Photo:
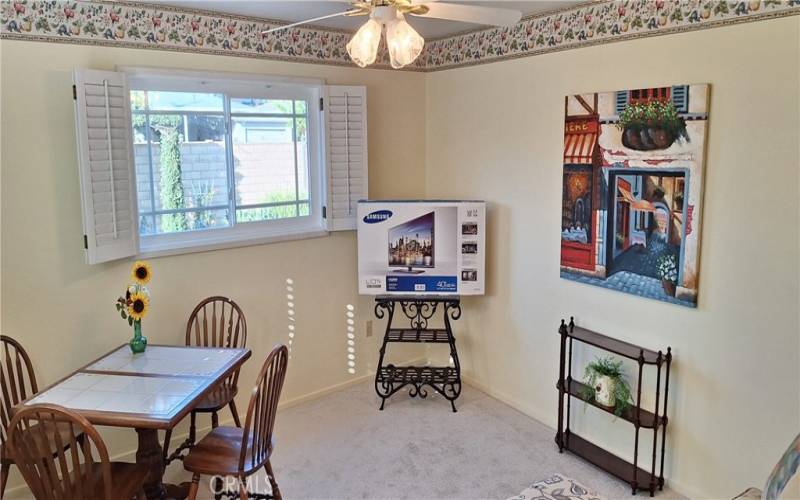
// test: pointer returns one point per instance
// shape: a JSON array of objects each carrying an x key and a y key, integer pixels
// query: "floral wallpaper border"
[
  {"x": 596, "y": 23},
  {"x": 142, "y": 25}
]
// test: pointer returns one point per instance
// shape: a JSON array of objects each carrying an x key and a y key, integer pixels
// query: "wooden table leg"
[{"x": 150, "y": 454}]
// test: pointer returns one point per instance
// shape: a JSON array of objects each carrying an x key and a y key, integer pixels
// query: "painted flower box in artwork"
[
  {"x": 647, "y": 139},
  {"x": 651, "y": 126}
]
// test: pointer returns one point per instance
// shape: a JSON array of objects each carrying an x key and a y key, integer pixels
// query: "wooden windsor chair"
[
  {"x": 18, "y": 382},
  {"x": 241, "y": 452},
  {"x": 215, "y": 322},
  {"x": 59, "y": 466}
]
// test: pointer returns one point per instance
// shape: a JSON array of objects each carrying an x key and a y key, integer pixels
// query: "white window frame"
[{"x": 252, "y": 86}]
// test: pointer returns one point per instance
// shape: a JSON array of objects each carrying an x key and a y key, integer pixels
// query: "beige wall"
[
  {"x": 495, "y": 132},
  {"x": 491, "y": 132},
  {"x": 62, "y": 309}
]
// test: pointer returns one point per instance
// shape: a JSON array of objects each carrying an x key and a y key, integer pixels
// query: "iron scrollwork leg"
[
  {"x": 446, "y": 380},
  {"x": 452, "y": 386},
  {"x": 383, "y": 376}
]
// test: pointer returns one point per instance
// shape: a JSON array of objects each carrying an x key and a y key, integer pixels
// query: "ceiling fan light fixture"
[
  {"x": 363, "y": 47},
  {"x": 404, "y": 43}
]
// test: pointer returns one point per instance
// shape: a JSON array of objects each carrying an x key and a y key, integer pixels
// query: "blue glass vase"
[{"x": 139, "y": 342}]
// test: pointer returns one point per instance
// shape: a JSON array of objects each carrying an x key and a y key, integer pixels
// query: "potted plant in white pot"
[{"x": 607, "y": 384}]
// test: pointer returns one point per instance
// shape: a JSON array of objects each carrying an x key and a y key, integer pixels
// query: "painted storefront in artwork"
[{"x": 632, "y": 190}]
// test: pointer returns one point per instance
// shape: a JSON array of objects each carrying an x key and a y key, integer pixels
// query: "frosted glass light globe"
[
  {"x": 405, "y": 44},
  {"x": 363, "y": 47}
]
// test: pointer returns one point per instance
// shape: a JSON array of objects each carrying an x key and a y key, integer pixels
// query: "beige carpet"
[{"x": 341, "y": 447}]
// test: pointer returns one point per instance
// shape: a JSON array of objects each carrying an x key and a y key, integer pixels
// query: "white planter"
[{"x": 604, "y": 391}]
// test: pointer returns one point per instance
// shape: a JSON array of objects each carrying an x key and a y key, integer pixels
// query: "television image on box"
[
  {"x": 424, "y": 240},
  {"x": 411, "y": 245}
]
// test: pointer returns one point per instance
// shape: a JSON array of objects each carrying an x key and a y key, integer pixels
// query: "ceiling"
[{"x": 299, "y": 10}]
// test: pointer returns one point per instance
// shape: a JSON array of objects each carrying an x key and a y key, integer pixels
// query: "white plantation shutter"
[
  {"x": 346, "y": 125},
  {"x": 105, "y": 163}
]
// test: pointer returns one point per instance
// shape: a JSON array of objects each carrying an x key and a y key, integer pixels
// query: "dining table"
[{"x": 148, "y": 392}]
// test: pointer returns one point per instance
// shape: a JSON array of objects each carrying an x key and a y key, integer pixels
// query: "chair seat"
[
  {"x": 218, "y": 453},
  {"x": 62, "y": 428},
  {"x": 216, "y": 399}
]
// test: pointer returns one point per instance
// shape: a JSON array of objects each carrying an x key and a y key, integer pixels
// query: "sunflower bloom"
[
  {"x": 141, "y": 272},
  {"x": 138, "y": 306}
]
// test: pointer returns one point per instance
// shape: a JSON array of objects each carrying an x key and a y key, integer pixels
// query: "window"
[
  {"x": 677, "y": 94},
  {"x": 231, "y": 157},
  {"x": 647, "y": 95},
  {"x": 219, "y": 160}
]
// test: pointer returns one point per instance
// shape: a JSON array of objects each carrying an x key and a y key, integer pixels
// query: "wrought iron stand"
[
  {"x": 636, "y": 414},
  {"x": 446, "y": 380}
]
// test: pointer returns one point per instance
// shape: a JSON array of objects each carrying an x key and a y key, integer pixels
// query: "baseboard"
[{"x": 13, "y": 492}]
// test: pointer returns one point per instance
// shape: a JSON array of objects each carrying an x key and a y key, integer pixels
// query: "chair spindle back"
[
  {"x": 17, "y": 379},
  {"x": 59, "y": 466},
  {"x": 217, "y": 322},
  {"x": 257, "y": 440}
]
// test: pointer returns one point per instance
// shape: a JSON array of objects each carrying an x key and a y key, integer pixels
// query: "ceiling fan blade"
[
  {"x": 471, "y": 14},
  {"x": 351, "y": 12}
]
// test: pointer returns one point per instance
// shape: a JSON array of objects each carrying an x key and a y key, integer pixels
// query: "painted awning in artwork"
[
  {"x": 578, "y": 148},
  {"x": 580, "y": 139},
  {"x": 636, "y": 204}
]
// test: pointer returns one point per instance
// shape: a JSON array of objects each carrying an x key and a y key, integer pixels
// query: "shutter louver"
[
  {"x": 105, "y": 164},
  {"x": 621, "y": 101},
  {"x": 346, "y": 124},
  {"x": 680, "y": 98}
]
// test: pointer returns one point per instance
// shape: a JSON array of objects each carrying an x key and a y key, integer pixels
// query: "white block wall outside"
[{"x": 259, "y": 169}]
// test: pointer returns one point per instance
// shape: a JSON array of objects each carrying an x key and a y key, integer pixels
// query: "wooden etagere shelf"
[{"x": 638, "y": 478}]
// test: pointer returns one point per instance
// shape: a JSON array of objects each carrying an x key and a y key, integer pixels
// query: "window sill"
[{"x": 157, "y": 249}]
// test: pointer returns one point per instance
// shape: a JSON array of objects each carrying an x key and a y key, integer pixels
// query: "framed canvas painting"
[{"x": 632, "y": 190}]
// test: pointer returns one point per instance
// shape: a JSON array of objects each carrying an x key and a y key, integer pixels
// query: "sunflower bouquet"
[{"x": 135, "y": 304}]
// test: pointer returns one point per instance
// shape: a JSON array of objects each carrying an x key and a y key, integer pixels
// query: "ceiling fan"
[{"x": 403, "y": 42}]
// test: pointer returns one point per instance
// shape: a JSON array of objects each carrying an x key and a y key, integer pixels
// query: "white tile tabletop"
[
  {"x": 120, "y": 393},
  {"x": 163, "y": 360},
  {"x": 151, "y": 390}
]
